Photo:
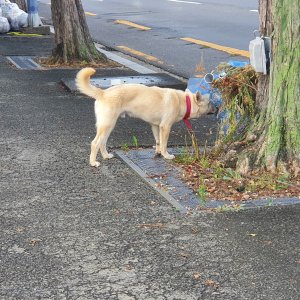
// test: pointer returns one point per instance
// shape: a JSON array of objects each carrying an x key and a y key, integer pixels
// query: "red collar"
[{"x": 188, "y": 113}]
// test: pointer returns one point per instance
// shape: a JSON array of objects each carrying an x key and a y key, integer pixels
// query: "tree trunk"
[
  {"x": 73, "y": 42},
  {"x": 266, "y": 29},
  {"x": 21, "y": 3},
  {"x": 278, "y": 125}
]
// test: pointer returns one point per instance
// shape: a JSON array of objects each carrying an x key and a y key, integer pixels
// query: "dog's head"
[{"x": 202, "y": 105}]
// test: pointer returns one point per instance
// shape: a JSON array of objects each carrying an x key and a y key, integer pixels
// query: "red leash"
[{"x": 188, "y": 113}]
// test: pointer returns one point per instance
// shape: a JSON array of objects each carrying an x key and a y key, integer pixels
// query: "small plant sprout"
[
  {"x": 125, "y": 147},
  {"x": 135, "y": 141},
  {"x": 233, "y": 174},
  {"x": 202, "y": 193},
  {"x": 185, "y": 157},
  {"x": 195, "y": 146},
  {"x": 204, "y": 161}
]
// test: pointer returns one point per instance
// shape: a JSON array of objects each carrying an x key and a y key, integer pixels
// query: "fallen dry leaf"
[
  {"x": 197, "y": 275},
  {"x": 117, "y": 212},
  {"x": 33, "y": 242},
  {"x": 252, "y": 234},
  {"x": 152, "y": 225},
  {"x": 195, "y": 230},
  {"x": 128, "y": 267},
  {"x": 222, "y": 183},
  {"x": 184, "y": 254},
  {"x": 267, "y": 242},
  {"x": 210, "y": 282}
]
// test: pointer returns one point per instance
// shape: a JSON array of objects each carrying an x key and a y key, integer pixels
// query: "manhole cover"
[
  {"x": 24, "y": 62},
  {"x": 165, "y": 178}
]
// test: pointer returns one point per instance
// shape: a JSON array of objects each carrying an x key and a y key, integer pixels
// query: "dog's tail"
[{"x": 84, "y": 85}]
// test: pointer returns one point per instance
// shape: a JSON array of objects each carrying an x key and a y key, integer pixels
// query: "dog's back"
[{"x": 125, "y": 94}]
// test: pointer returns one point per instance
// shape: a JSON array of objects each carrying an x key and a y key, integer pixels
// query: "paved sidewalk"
[{"x": 69, "y": 231}]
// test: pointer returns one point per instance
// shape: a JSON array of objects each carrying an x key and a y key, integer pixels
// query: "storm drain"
[
  {"x": 156, "y": 79},
  {"x": 165, "y": 178},
  {"x": 24, "y": 62},
  {"x": 139, "y": 79}
]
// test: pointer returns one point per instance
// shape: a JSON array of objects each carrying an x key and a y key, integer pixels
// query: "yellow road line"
[
  {"x": 140, "y": 54},
  {"x": 128, "y": 23},
  {"x": 218, "y": 47},
  {"x": 90, "y": 14}
]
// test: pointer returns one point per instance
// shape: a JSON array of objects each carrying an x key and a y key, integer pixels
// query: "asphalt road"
[
  {"x": 226, "y": 23},
  {"x": 69, "y": 231}
]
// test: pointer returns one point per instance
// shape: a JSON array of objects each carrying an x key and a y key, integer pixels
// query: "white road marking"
[
  {"x": 188, "y": 2},
  {"x": 254, "y": 10}
]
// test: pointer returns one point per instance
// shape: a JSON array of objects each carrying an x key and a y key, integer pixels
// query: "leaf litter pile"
[
  {"x": 47, "y": 63},
  {"x": 211, "y": 180}
]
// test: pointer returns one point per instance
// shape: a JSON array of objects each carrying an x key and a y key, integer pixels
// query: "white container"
[{"x": 257, "y": 55}]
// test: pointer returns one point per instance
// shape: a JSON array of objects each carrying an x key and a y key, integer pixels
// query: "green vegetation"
[{"x": 135, "y": 141}]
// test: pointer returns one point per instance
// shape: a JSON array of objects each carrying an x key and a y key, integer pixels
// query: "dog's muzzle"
[{"x": 213, "y": 109}]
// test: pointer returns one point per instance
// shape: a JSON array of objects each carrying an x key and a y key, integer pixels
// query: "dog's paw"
[
  {"x": 108, "y": 156},
  {"x": 169, "y": 156},
  {"x": 95, "y": 164}
]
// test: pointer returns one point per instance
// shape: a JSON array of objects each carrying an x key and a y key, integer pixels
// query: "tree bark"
[
  {"x": 283, "y": 113},
  {"x": 21, "y": 3},
  {"x": 266, "y": 29},
  {"x": 278, "y": 122},
  {"x": 73, "y": 42}
]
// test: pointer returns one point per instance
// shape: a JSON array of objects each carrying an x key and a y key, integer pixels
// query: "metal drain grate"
[
  {"x": 165, "y": 178},
  {"x": 149, "y": 80},
  {"x": 157, "y": 79},
  {"x": 24, "y": 62}
]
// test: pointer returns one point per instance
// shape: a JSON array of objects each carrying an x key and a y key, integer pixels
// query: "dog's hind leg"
[
  {"x": 99, "y": 142},
  {"x": 164, "y": 131},
  {"x": 155, "y": 130}
]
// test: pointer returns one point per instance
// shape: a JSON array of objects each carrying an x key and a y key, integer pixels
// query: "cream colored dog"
[{"x": 160, "y": 107}]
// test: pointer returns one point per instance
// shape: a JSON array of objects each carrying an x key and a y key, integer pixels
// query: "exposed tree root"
[{"x": 251, "y": 154}]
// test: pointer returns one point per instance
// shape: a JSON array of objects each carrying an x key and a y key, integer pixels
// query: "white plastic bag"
[
  {"x": 15, "y": 9},
  {"x": 4, "y": 1},
  {"x": 7, "y": 10},
  {"x": 258, "y": 55},
  {"x": 23, "y": 19},
  {"x": 16, "y": 17},
  {"x": 4, "y": 25}
]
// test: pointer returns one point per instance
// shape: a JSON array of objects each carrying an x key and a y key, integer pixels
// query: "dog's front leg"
[
  {"x": 164, "y": 131},
  {"x": 155, "y": 130}
]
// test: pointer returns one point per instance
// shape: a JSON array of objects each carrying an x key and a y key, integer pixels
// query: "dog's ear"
[{"x": 198, "y": 96}]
